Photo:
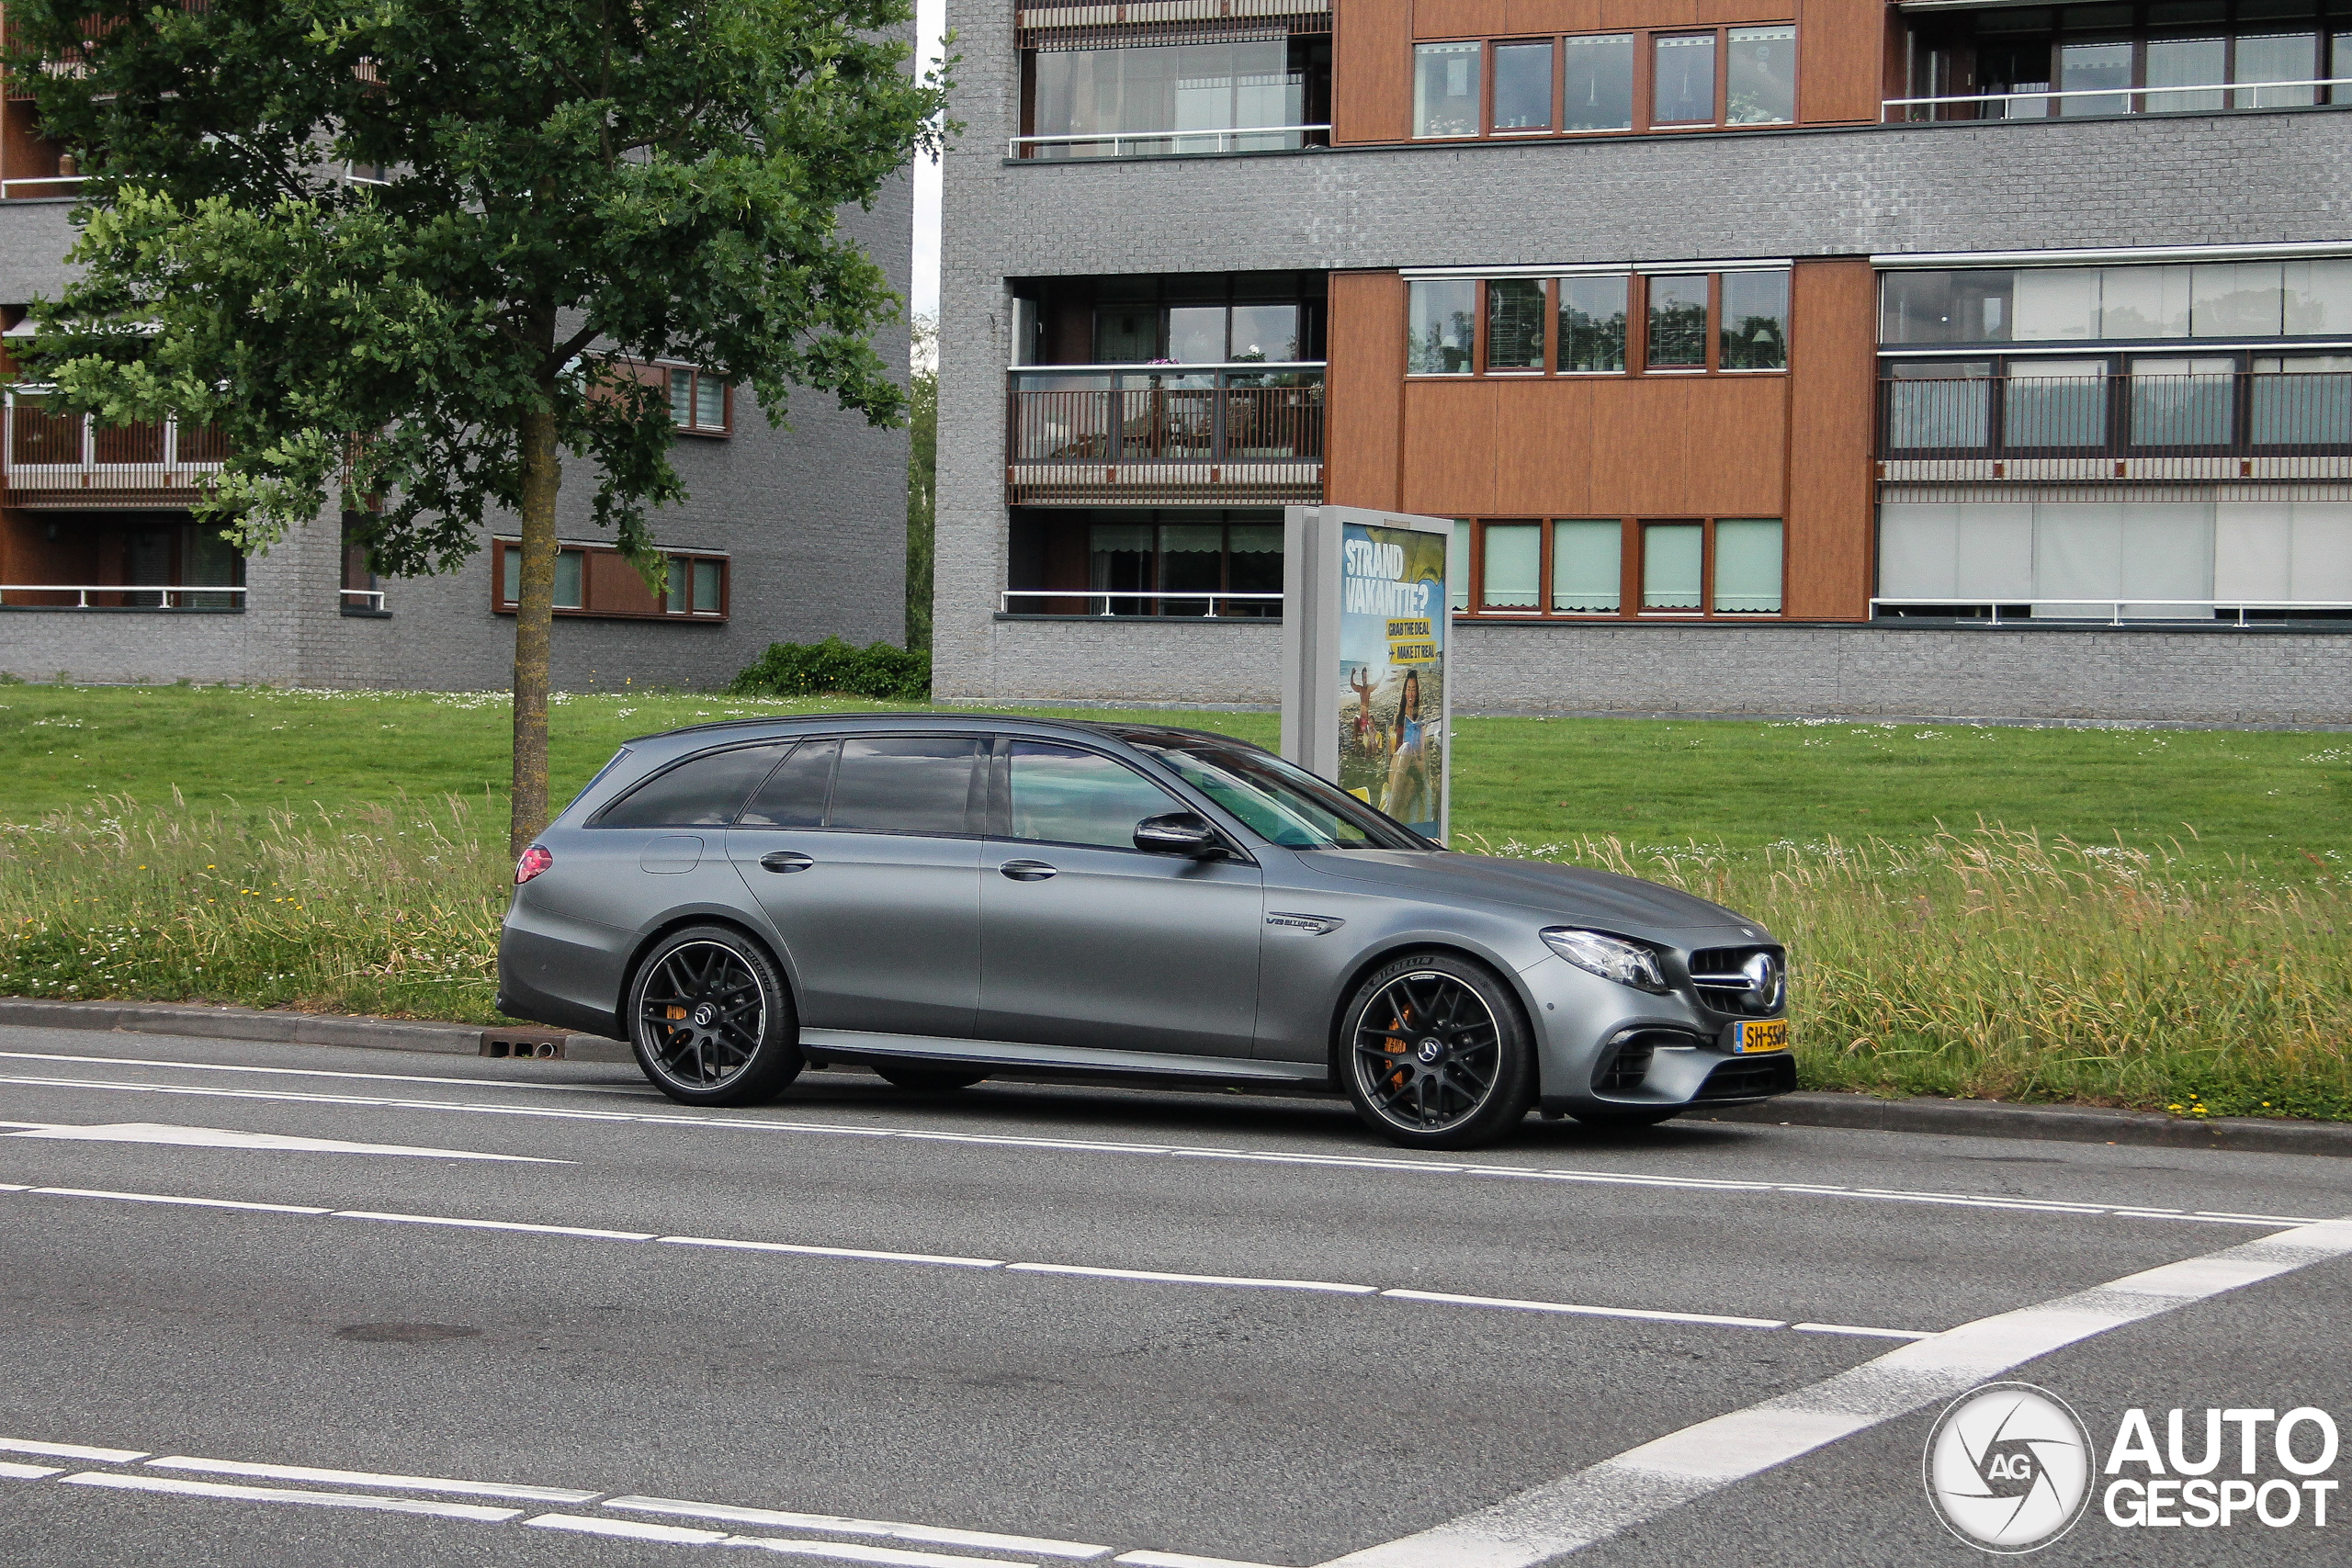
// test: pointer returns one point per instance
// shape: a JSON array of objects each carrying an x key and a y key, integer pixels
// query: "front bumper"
[{"x": 1606, "y": 1047}]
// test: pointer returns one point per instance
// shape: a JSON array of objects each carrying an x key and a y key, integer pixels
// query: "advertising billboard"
[{"x": 1365, "y": 697}]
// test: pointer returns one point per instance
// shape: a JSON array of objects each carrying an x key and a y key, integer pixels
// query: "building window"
[
  {"x": 2258, "y": 405},
  {"x": 700, "y": 401},
  {"x": 1189, "y": 565},
  {"x": 1576, "y": 568},
  {"x": 2310, "y": 297},
  {"x": 1692, "y": 322},
  {"x": 1582, "y": 83},
  {"x": 598, "y": 580},
  {"x": 1112, "y": 91},
  {"x": 1445, "y": 89}
]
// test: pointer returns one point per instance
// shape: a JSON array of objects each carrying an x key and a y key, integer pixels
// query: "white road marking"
[
  {"x": 627, "y": 1529},
  {"x": 1147, "y": 1276},
  {"x": 985, "y": 1540},
  {"x": 474, "y": 1511},
  {"x": 492, "y": 1225},
  {"x": 853, "y": 1552},
  {"x": 167, "y": 1197},
  {"x": 72, "y": 1450},
  {"x": 223, "y": 1138},
  {"x": 1852, "y": 1329},
  {"x": 1180, "y": 1560},
  {"x": 1585, "y": 1311},
  {"x": 1565, "y": 1515},
  {"x": 1326, "y": 1286},
  {"x": 949, "y": 1262},
  {"x": 1405, "y": 1166},
  {"x": 26, "y": 1471},
  {"x": 365, "y": 1478}
]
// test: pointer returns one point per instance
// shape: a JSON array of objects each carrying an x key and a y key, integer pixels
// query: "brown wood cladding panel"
[
  {"x": 1450, "y": 435},
  {"x": 1648, "y": 12},
  {"x": 1365, "y": 401},
  {"x": 1832, "y": 387},
  {"x": 1457, "y": 18},
  {"x": 1372, "y": 71},
  {"x": 1731, "y": 13},
  {"x": 1642, "y": 446},
  {"x": 1523, "y": 17},
  {"x": 1841, "y": 60}
]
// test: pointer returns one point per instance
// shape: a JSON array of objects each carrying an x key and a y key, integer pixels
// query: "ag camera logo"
[{"x": 2008, "y": 1468}]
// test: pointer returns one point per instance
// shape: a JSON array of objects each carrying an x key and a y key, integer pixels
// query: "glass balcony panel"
[
  {"x": 2055, "y": 403},
  {"x": 1940, "y": 408},
  {"x": 2237, "y": 299},
  {"x": 2143, "y": 302},
  {"x": 2303, "y": 399},
  {"x": 2187, "y": 62},
  {"x": 2277, "y": 57},
  {"x": 2085, "y": 66},
  {"x": 2183, "y": 403}
]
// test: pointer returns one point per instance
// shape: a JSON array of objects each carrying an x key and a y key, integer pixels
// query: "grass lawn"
[{"x": 2276, "y": 804}]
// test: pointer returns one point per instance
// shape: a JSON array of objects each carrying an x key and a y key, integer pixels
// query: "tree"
[
  {"x": 551, "y": 193},
  {"x": 922, "y": 477}
]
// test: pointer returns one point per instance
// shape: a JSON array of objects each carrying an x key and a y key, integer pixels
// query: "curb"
[
  {"x": 2053, "y": 1124},
  {"x": 1861, "y": 1112},
  {"x": 313, "y": 1029}
]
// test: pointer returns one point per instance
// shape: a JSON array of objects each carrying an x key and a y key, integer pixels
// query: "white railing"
[
  {"x": 2058, "y": 608},
  {"x": 161, "y": 594},
  {"x": 1013, "y": 147},
  {"x": 48, "y": 452},
  {"x": 48, "y": 185},
  {"x": 2042, "y": 99},
  {"x": 1005, "y": 600},
  {"x": 367, "y": 598}
]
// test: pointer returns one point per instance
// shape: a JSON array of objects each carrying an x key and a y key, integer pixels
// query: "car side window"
[
  {"x": 793, "y": 796},
  {"x": 1063, "y": 795},
  {"x": 905, "y": 785},
  {"x": 701, "y": 791}
]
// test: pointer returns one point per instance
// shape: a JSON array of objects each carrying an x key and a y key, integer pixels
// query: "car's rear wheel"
[
  {"x": 1436, "y": 1055},
  {"x": 905, "y": 1075},
  {"x": 712, "y": 1021},
  {"x": 1646, "y": 1116}
]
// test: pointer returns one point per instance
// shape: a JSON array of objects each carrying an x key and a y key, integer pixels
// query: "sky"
[{"x": 930, "y": 21}]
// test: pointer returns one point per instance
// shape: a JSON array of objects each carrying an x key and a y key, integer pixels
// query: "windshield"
[{"x": 1285, "y": 803}]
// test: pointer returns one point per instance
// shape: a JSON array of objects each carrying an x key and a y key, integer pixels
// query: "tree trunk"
[{"x": 534, "y": 622}]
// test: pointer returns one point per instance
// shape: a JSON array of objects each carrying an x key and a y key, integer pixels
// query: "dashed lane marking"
[
  {"x": 370, "y": 1478},
  {"x": 934, "y": 1535},
  {"x": 1171, "y": 1151},
  {"x": 1137, "y": 1275},
  {"x": 474, "y": 1511}
]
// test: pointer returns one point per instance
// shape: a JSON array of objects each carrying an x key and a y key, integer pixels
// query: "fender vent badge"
[{"x": 1321, "y": 925}]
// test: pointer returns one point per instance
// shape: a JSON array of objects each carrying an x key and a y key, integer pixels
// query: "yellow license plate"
[{"x": 1750, "y": 1036}]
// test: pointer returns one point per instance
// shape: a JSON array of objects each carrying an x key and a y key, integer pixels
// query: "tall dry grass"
[
  {"x": 1995, "y": 965},
  {"x": 391, "y": 909}
]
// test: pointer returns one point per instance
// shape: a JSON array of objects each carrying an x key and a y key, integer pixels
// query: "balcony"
[
  {"x": 2239, "y": 425},
  {"x": 70, "y": 462},
  {"x": 1206, "y": 435},
  {"x": 2036, "y": 101}
]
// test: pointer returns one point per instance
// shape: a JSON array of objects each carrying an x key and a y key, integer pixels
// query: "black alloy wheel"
[
  {"x": 712, "y": 1022},
  {"x": 905, "y": 1075},
  {"x": 1437, "y": 1055}
]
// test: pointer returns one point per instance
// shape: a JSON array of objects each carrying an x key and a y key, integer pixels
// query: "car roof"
[{"x": 787, "y": 723}]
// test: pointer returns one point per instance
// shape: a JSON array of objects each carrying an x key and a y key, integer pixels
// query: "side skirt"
[{"x": 860, "y": 1046}]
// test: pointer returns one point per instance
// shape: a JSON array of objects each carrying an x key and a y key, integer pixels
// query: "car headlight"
[{"x": 1612, "y": 958}]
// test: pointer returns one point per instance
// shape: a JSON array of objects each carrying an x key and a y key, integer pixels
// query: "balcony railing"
[
  {"x": 1176, "y": 433},
  {"x": 71, "y": 461},
  {"x": 2234, "y": 425},
  {"x": 2117, "y": 612},
  {"x": 2041, "y": 103},
  {"x": 1146, "y": 143},
  {"x": 1169, "y": 603},
  {"x": 120, "y": 596}
]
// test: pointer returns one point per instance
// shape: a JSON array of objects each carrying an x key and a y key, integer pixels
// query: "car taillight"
[{"x": 534, "y": 861}]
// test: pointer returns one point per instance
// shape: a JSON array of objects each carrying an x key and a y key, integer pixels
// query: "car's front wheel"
[
  {"x": 712, "y": 1021},
  {"x": 1436, "y": 1055}
]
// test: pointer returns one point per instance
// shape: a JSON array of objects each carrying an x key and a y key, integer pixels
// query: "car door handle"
[
  {"x": 1027, "y": 870},
  {"x": 785, "y": 860}
]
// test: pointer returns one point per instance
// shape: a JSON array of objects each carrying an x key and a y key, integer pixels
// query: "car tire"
[
  {"x": 905, "y": 1075},
  {"x": 712, "y": 1021},
  {"x": 1435, "y": 1053},
  {"x": 1629, "y": 1117}
]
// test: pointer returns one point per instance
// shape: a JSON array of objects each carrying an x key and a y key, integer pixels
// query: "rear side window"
[
  {"x": 701, "y": 791},
  {"x": 793, "y": 796},
  {"x": 904, "y": 785}
]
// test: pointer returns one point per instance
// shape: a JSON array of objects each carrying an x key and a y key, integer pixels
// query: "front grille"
[
  {"x": 1749, "y": 1080},
  {"x": 1737, "y": 973},
  {"x": 1624, "y": 1069}
]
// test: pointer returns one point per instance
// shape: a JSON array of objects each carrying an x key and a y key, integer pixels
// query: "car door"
[
  {"x": 1087, "y": 940},
  {"x": 864, "y": 853}
]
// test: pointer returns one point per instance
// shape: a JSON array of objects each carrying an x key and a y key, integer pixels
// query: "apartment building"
[
  {"x": 1861, "y": 356},
  {"x": 106, "y": 575}
]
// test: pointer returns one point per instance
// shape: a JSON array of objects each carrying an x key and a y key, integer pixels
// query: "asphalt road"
[{"x": 541, "y": 1315}]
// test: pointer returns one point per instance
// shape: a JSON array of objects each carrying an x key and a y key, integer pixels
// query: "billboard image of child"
[{"x": 1392, "y": 658}]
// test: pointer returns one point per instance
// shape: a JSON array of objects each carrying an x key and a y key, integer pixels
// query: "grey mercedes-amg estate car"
[{"x": 942, "y": 898}]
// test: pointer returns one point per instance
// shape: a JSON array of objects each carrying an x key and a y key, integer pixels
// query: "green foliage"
[
  {"x": 922, "y": 480},
  {"x": 567, "y": 189},
  {"x": 814, "y": 669}
]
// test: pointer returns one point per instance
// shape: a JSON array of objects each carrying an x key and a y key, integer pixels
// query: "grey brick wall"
[
  {"x": 2177, "y": 179},
  {"x": 813, "y": 516}
]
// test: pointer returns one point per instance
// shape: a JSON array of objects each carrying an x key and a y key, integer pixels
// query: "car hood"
[{"x": 1565, "y": 894}]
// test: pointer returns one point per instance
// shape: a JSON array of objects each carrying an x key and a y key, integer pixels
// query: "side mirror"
[{"x": 1179, "y": 833}]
